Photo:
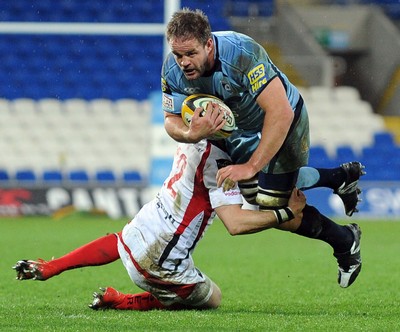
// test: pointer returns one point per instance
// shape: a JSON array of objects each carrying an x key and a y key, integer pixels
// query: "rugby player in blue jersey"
[{"x": 270, "y": 147}]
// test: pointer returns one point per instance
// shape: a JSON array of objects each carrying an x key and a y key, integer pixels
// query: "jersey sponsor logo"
[
  {"x": 164, "y": 86},
  {"x": 167, "y": 215},
  {"x": 257, "y": 77},
  {"x": 191, "y": 90},
  {"x": 232, "y": 193},
  {"x": 167, "y": 103}
]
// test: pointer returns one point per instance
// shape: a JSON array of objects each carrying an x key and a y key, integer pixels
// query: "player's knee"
[
  {"x": 274, "y": 189},
  {"x": 215, "y": 298},
  {"x": 269, "y": 200}
]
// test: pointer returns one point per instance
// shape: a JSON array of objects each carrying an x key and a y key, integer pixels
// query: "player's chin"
[{"x": 191, "y": 74}]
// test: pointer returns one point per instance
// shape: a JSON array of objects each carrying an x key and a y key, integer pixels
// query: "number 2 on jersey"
[{"x": 180, "y": 165}]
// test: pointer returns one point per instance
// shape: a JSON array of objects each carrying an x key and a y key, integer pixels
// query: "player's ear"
[{"x": 209, "y": 45}]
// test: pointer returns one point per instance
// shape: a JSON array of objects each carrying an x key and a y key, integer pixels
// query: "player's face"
[{"x": 192, "y": 57}]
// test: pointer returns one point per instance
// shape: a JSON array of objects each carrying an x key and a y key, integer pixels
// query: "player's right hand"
[
  {"x": 206, "y": 122},
  {"x": 297, "y": 201}
]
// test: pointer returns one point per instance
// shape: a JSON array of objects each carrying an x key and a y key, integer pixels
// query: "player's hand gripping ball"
[{"x": 201, "y": 100}]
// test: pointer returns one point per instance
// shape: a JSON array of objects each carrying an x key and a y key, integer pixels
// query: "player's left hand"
[{"x": 229, "y": 175}]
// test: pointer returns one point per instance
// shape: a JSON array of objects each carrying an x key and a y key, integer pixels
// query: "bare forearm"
[
  {"x": 177, "y": 129},
  {"x": 241, "y": 221}
]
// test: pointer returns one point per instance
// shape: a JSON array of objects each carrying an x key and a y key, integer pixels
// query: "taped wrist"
[{"x": 283, "y": 215}]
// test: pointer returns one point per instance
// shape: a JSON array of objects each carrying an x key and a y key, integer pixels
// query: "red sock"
[
  {"x": 142, "y": 301},
  {"x": 101, "y": 251}
]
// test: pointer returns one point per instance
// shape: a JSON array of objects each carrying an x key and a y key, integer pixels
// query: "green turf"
[{"x": 272, "y": 281}]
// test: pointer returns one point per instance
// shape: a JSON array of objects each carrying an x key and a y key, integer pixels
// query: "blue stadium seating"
[
  {"x": 25, "y": 176},
  {"x": 345, "y": 153},
  {"x": 105, "y": 177},
  {"x": 384, "y": 140},
  {"x": 132, "y": 177},
  {"x": 78, "y": 176},
  {"x": 78, "y": 66},
  {"x": 319, "y": 158},
  {"x": 52, "y": 177},
  {"x": 4, "y": 176}
]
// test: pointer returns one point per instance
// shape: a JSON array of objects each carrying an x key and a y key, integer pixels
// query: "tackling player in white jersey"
[{"x": 156, "y": 245}]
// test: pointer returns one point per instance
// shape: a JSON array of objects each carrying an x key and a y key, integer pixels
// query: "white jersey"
[{"x": 159, "y": 241}]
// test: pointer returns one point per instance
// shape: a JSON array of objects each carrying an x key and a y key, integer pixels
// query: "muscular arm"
[
  {"x": 278, "y": 119},
  {"x": 240, "y": 221},
  {"x": 176, "y": 128}
]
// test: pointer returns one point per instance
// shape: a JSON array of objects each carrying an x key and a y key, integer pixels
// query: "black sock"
[
  {"x": 330, "y": 177},
  {"x": 339, "y": 237},
  {"x": 317, "y": 226}
]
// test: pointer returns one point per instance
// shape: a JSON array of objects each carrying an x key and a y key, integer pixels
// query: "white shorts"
[{"x": 188, "y": 286}]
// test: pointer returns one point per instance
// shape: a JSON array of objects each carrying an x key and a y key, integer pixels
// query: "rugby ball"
[{"x": 201, "y": 100}]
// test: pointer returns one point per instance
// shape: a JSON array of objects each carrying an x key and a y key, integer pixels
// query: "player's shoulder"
[
  {"x": 237, "y": 40},
  {"x": 236, "y": 51},
  {"x": 169, "y": 66}
]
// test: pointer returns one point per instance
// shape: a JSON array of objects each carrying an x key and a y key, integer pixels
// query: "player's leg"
[
  {"x": 345, "y": 241},
  {"x": 293, "y": 155},
  {"x": 343, "y": 180},
  {"x": 110, "y": 298},
  {"x": 274, "y": 192},
  {"x": 160, "y": 294},
  {"x": 183, "y": 289},
  {"x": 98, "y": 252}
]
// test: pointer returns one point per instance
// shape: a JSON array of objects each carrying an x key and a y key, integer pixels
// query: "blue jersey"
[{"x": 242, "y": 70}]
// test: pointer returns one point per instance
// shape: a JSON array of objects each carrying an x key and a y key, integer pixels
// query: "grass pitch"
[{"x": 271, "y": 281}]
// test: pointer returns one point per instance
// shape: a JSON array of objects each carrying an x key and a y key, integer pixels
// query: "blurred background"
[{"x": 81, "y": 124}]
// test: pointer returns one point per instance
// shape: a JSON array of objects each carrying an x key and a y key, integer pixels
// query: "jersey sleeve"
[
  {"x": 171, "y": 100},
  {"x": 217, "y": 196},
  {"x": 220, "y": 198},
  {"x": 259, "y": 71}
]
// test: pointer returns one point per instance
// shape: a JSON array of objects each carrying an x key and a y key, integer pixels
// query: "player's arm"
[
  {"x": 241, "y": 221},
  {"x": 201, "y": 126},
  {"x": 277, "y": 121}
]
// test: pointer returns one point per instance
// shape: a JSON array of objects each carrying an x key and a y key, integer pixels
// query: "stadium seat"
[
  {"x": 4, "y": 105},
  {"x": 78, "y": 176},
  {"x": 25, "y": 176},
  {"x": 133, "y": 177},
  {"x": 319, "y": 157},
  {"x": 384, "y": 140},
  {"x": 4, "y": 176},
  {"x": 346, "y": 93},
  {"x": 345, "y": 153},
  {"x": 52, "y": 177},
  {"x": 105, "y": 177}
]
